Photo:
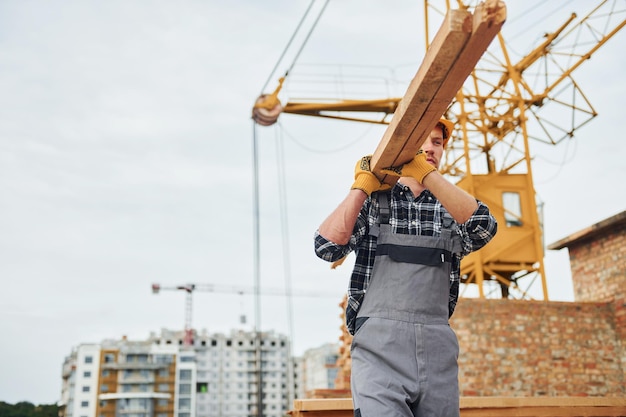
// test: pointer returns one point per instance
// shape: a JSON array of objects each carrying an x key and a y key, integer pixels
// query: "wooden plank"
[
  {"x": 323, "y": 404},
  {"x": 488, "y": 407},
  {"x": 322, "y": 413},
  {"x": 453, "y": 55},
  {"x": 503, "y": 402},
  {"x": 542, "y": 406},
  {"x": 487, "y": 21},
  {"x": 545, "y": 412},
  {"x": 448, "y": 43}
]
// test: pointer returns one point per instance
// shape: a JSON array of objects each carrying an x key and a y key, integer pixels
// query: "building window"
[
  {"x": 163, "y": 359},
  {"x": 86, "y": 388},
  {"x": 104, "y": 388},
  {"x": 84, "y": 403},
  {"x": 87, "y": 374},
  {"x": 88, "y": 359},
  {"x": 164, "y": 372},
  {"x": 184, "y": 404},
  {"x": 164, "y": 387},
  {"x": 184, "y": 389},
  {"x": 109, "y": 358},
  {"x": 185, "y": 374},
  {"x": 512, "y": 204}
]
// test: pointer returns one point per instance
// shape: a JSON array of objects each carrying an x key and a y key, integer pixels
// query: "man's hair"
[{"x": 446, "y": 127}]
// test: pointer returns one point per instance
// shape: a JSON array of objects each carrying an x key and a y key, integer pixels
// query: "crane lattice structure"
[{"x": 502, "y": 107}]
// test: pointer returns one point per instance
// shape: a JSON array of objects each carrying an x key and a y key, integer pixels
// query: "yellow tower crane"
[{"x": 501, "y": 108}]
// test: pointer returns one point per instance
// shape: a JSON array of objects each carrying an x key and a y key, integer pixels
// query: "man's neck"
[{"x": 413, "y": 184}]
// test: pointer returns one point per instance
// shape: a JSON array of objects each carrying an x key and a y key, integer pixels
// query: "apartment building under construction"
[{"x": 163, "y": 377}]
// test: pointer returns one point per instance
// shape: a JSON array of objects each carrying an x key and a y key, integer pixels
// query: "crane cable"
[
  {"x": 282, "y": 198},
  {"x": 257, "y": 274},
  {"x": 281, "y": 183},
  {"x": 267, "y": 107},
  {"x": 293, "y": 36}
]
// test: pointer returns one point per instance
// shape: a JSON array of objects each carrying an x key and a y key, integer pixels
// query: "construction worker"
[{"x": 409, "y": 239}]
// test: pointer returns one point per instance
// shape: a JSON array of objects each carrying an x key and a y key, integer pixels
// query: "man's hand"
[
  {"x": 364, "y": 179},
  {"x": 418, "y": 168}
]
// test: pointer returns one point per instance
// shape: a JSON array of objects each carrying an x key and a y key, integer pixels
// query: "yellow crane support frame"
[{"x": 493, "y": 115}]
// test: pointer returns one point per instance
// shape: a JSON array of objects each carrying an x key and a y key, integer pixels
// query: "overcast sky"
[{"x": 126, "y": 160}]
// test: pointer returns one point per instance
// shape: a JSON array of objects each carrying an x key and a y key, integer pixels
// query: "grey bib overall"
[{"x": 404, "y": 353}]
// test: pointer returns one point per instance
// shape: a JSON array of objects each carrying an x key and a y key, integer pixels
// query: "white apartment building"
[
  {"x": 217, "y": 376},
  {"x": 319, "y": 367}
]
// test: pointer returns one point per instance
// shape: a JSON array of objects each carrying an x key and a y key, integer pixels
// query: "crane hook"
[{"x": 267, "y": 107}]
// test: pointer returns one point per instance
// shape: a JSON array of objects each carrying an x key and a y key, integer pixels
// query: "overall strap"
[
  {"x": 448, "y": 231},
  {"x": 383, "y": 206},
  {"x": 383, "y": 212},
  {"x": 447, "y": 225}
]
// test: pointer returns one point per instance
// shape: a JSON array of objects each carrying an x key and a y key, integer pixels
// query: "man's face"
[{"x": 433, "y": 147}]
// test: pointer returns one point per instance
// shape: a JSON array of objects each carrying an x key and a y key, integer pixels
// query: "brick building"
[{"x": 598, "y": 263}]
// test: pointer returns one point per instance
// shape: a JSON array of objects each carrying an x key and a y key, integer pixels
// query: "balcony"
[
  {"x": 132, "y": 395},
  {"x": 134, "y": 365}
]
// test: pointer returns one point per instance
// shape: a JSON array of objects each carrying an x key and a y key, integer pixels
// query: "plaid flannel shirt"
[{"x": 421, "y": 215}]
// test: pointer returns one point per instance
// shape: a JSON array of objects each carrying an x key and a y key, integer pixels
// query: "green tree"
[{"x": 26, "y": 409}]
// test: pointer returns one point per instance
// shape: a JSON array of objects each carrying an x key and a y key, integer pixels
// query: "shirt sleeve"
[{"x": 479, "y": 229}]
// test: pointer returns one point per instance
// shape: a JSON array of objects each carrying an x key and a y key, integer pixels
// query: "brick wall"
[
  {"x": 527, "y": 348},
  {"x": 537, "y": 348},
  {"x": 599, "y": 265}
]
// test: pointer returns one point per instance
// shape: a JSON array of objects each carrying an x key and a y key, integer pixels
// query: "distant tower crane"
[
  {"x": 188, "y": 288},
  {"x": 233, "y": 289},
  {"x": 497, "y": 112}
]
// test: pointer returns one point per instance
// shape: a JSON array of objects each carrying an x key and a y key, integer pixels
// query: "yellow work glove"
[
  {"x": 364, "y": 180},
  {"x": 418, "y": 168}
]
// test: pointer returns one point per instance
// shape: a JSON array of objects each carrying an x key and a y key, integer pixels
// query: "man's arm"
[
  {"x": 338, "y": 227},
  {"x": 459, "y": 203},
  {"x": 339, "y": 224}
]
